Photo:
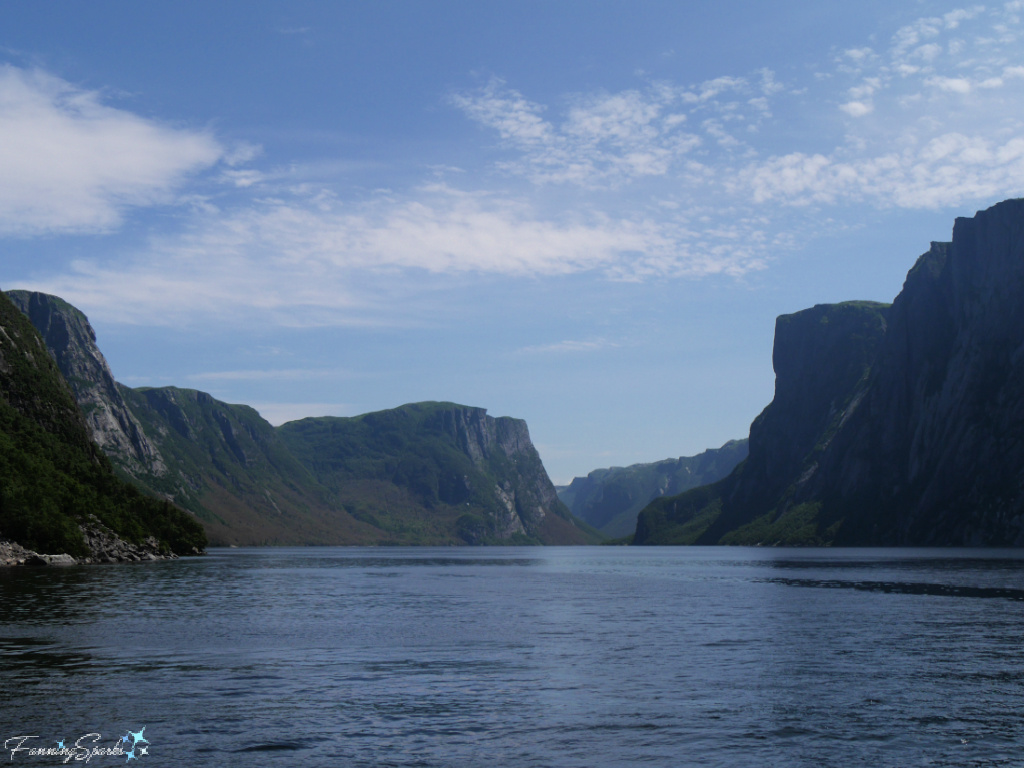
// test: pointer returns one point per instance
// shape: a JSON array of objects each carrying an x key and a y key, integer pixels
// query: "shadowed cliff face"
[
  {"x": 610, "y": 499},
  {"x": 822, "y": 357},
  {"x": 904, "y": 427},
  {"x": 938, "y": 450}
]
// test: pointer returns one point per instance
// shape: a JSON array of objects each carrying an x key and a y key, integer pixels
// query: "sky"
[{"x": 583, "y": 214}]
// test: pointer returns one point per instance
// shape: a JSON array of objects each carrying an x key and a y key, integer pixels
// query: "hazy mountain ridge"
[
  {"x": 610, "y": 499},
  {"x": 58, "y": 492},
  {"x": 467, "y": 477},
  {"x": 894, "y": 426}
]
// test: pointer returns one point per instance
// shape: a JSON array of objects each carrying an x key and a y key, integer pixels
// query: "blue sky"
[{"x": 583, "y": 214}]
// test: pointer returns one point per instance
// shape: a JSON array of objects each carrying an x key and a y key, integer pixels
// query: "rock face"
[
  {"x": 56, "y": 487},
  {"x": 905, "y": 427},
  {"x": 436, "y": 473},
  {"x": 72, "y": 342},
  {"x": 421, "y": 474},
  {"x": 610, "y": 499}
]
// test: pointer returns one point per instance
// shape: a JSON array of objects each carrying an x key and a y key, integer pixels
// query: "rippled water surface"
[{"x": 524, "y": 657}]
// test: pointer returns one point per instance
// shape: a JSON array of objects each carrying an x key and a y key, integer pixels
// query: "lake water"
[{"x": 599, "y": 656}]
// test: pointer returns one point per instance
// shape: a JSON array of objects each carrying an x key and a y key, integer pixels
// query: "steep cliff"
[
  {"x": 906, "y": 427},
  {"x": 936, "y": 453},
  {"x": 58, "y": 493},
  {"x": 72, "y": 342},
  {"x": 221, "y": 462},
  {"x": 436, "y": 473},
  {"x": 418, "y": 474},
  {"x": 610, "y": 499}
]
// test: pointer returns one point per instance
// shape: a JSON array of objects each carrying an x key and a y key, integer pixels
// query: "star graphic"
[
  {"x": 125, "y": 739},
  {"x": 137, "y": 736},
  {"x": 143, "y": 751},
  {"x": 60, "y": 744},
  {"x": 131, "y": 756}
]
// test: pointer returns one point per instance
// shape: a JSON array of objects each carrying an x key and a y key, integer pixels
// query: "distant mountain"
[
  {"x": 58, "y": 492},
  {"x": 899, "y": 425},
  {"x": 610, "y": 499},
  {"x": 429, "y": 473},
  {"x": 436, "y": 473}
]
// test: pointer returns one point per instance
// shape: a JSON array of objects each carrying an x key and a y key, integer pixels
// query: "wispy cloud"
[
  {"x": 944, "y": 129},
  {"x": 932, "y": 120},
  {"x": 568, "y": 346},
  {"x": 69, "y": 163},
  {"x": 310, "y": 259},
  {"x": 270, "y": 374},
  {"x": 605, "y": 139},
  {"x": 667, "y": 180}
]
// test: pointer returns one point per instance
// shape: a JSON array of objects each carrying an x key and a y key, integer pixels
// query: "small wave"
[
  {"x": 274, "y": 746},
  {"x": 907, "y": 588}
]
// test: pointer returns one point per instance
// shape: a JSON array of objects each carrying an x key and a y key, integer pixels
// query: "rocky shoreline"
[{"x": 104, "y": 547}]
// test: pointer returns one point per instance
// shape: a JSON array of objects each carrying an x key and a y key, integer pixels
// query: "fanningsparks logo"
[{"x": 132, "y": 746}]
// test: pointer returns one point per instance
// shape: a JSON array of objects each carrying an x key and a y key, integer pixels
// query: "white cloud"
[
  {"x": 950, "y": 84},
  {"x": 569, "y": 346},
  {"x": 857, "y": 108},
  {"x": 954, "y": 18},
  {"x": 242, "y": 178},
  {"x": 668, "y": 181},
  {"x": 70, "y": 163},
  {"x": 310, "y": 259},
  {"x": 267, "y": 374},
  {"x": 243, "y": 152},
  {"x": 859, "y": 54},
  {"x": 609, "y": 139},
  {"x": 928, "y": 52},
  {"x": 944, "y": 171}
]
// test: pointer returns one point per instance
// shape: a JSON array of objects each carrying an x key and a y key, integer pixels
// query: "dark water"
[{"x": 524, "y": 657}]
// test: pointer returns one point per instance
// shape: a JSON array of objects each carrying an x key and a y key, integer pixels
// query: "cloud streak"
[
  {"x": 69, "y": 163},
  {"x": 311, "y": 259}
]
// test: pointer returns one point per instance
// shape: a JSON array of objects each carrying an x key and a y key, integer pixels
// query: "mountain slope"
[
  {"x": 904, "y": 428},
  {"x": 252, "y": 484},
  {"x": 437, "y": 473},
  {"x": 58, "y": 493},
  {"x": 610, "y": 499},
  {"x": 228, "y": 465}
]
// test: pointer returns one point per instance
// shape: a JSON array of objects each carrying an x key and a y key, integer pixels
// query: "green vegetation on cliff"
[
  {"x": 428, "y": 473},
  {"x": 436, "y": 473},
  {"x": 227, "y": 465},
  {"x": 52, "y": 477}
]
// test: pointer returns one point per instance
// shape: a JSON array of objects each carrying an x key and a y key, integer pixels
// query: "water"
[{"x": 524, "y": 657}]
